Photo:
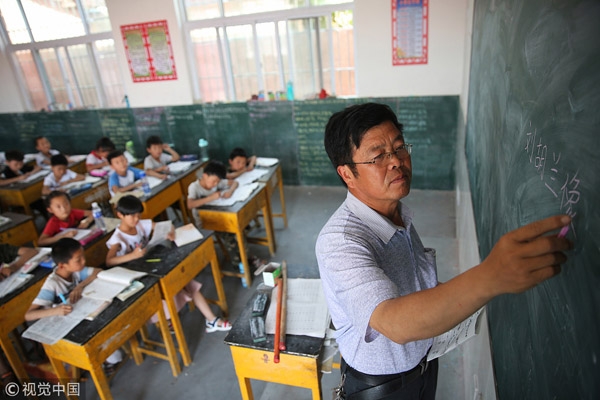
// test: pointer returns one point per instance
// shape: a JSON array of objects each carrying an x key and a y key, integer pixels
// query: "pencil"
[
  {"x": 283, "y": 306},
  {"x": 278, "y": 321}
]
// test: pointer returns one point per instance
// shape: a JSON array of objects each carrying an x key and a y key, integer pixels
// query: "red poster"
[
  {"x": 149, "y": 51},
  {"x": 410, "y": 31}
]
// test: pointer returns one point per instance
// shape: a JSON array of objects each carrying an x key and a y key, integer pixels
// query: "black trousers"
[{"x": 422, "y": 388}]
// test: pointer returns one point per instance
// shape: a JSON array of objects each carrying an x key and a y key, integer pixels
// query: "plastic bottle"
[
  {"x": 241, "y": 267},
  {"x": 129, "y": 148},
  {"x": 203, "y": 146},
  {"x": 290, "y": 90},
  {"x": 145, "y": 184},
  {"x": 98, "y": 218}
]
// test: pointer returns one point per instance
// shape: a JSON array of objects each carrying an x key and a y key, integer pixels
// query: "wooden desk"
[
  {"x": 97, "y": 193},
  {"x": 19, "y": 231},
  {"x": 78, "y": 166},
  {"x": 91, "y": 342},
  {"x": 298, "y": 365},
  {"x": 235, "y": 218},
  {"x": 12, "y": 314},
  {"x": 178, "y": 266},
  {"x": 21, "y": 194},
  {"x": 274, "y": 179},
  {"x": 187, "y": 177},
  {"x": 163, "y": 196}
]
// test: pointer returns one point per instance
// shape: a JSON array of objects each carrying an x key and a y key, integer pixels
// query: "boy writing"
[
  {"x": 16, "y": 170},
  {"x": 127, "y": 243},
  {"x": 157, "y": 160},
  {"x": 69, "y": 278},
  {"x": 239, "y": 162},
  {"x": 97, "y": 158},
  {"x": 60, "y": 175},
  {"x": 45, "y": 152},
  {"x": 125, "y": 177},
  {"x": 63, "y": 217}
]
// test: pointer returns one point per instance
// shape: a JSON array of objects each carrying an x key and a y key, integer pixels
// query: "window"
[
  {"x": 242, "y": 48},
  {"x": 64, "y": 52}
]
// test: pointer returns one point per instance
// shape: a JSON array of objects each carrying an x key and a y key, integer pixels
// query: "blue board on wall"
[{"x": 532, "y": 143}]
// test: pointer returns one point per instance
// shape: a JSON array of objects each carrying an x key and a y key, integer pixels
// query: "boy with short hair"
[
  {"x": 157, "y": 160},
  {"x": 70, "y": 277},
  {"x": 125, "y": 177},
  {"x": 239, "y": 162},
  {"x": 128, "y": 243},
  {"x": 97, "y": 158},
  {"x": 211, "y": 185},
  {"x": 16, "y": 170},
  {"x": 60, "y": 175},
  {"x": 63, "y": 217},
  {"x": 45, "y": 152}
]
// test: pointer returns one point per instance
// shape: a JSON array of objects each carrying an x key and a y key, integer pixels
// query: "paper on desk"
[
  {"x": 77, "y": 158},
  {"x": 250, "y": 176},
  {"x": 33, "y": 262},
  {"x": 307, "y": 312},
  {"x": 179, "y": 166},
  {"x": 87, "y": 179},
  {"x": 37, "y": 175},
  {"x": 160, "y": 233},
  {"x": 13, "y": 282},
  {"x": 187, "y": 234},
  {"x": 240, "y": 194},
  {"x": 81, "y": 233},
  {"x": 154, "y": 181},
  {"x": 455, "y": 336},
  {"x": 4, "y": 220},
  {"x": 266, "y": 162}
]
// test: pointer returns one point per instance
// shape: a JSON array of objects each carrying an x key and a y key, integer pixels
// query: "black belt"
[{"x": 383, "y": 385}]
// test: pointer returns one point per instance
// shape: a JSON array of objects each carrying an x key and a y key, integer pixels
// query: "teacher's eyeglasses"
[{"x": 401, "y": 153}]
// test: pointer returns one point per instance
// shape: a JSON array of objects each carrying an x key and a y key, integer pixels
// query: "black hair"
[
  {"x": 54, "y": 194},
  {"x": 237, "y": 152},
  {"x": 14, "y": 155},
  {"x": 153, "y": 140},
  {"x": 346, "y": 129},
  {"x": 113, "y": 154},
  {"x": 215, "y": 168},
  {"x": 128, "y": 205},
  {"x": 63, "y": 250},
  {"x": 105, "y": 144},
  {"x": 58, "y": 159}
]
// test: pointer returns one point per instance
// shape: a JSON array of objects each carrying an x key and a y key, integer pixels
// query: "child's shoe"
[{"x": 215, "y": 326}]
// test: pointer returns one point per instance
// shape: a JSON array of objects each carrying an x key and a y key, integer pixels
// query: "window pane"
[
  {"x": 57, "y": 83},
  {"x": 32, "y": 79},
  {"x": 53, "y": 20},
  {"x": 208, "y": 62},
  {"x": 245, "y": 7},
  {"x": 343, "y": 53},
  {"x": 13, "y": 20},
  {"x": 109, "y": 73},
  {"x": 269, "y": 57},
  {"x": 201, "y": 9},
  {"x": 82, "y": 65},
  {"x": 96, "y": 15},
  {"x": 303, "y": 44},
  {"x": 241, "y": 47},
  {"x": 327, "y": 2}
]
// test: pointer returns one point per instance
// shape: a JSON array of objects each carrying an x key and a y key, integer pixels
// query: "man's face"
[
  {"x": 379, "y": 185},
  {"x": 119, "y": 164}
]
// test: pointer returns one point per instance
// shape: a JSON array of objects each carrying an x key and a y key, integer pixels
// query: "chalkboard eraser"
[{"x": 257, "y": 329}]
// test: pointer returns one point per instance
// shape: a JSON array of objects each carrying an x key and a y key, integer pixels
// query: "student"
[
  {"x": 45, "y": 152},
  {"x": 16, "y": 170},
  {"x": 60, "y": 175},
  {"x": 63, "y": 216},
  {"x": 128, "y": 243},
  {"x": 239, "y": 162},
  {"x": 69, "y": 278},
  {"x": 13, "y": 257},
  {"x": 209, "y": 187},
  {"x": 125, "y": 177},
  {"x": 156, "y": 162},
  {"x": 97, "y": 158}
]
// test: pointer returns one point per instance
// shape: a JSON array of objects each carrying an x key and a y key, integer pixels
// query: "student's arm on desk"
[
  {"x": 87, "y": 221},
  {"x": 229, "y": 191},
  {"x": 25, "y": 253},
  {"x": 78, "y": 177},
  {"x": 75, "y": 294},
  {"x": 134, "y": 185},
  {"x": 91, "y": 167},
  {"x": 8, "y": 181},
  {"x": 520, "y": 260},
  {"x": 156, "y": 172},
  {"x": 173, "y": 153},
  {"x": 251, "y": 163},
  {"x": 36, "y": 311},
  {"x": 195, "y": 203},
  {"x": 45, "y": 239},
  {"x": 113, "y": 259}
]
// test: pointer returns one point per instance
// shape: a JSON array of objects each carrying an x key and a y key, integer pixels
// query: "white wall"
[
  {"x": 442, "y": 75},
  {"x": 11, "y": 99}
]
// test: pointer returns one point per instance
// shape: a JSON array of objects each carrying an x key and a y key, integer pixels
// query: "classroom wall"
[
  {"x": 442, "y": 75},
  {"x": 11, "y": 99}
]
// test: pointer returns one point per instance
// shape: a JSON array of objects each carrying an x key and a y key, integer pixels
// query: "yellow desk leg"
[
  {"x": 169, "y": 346},
  {"x": 245, "y": 388},
  {"x": 100, "y": 381},
  {"x": 63, "y": 377},
  {"x": 239, "y": 234},
  {"x": 13, "y": 359}
]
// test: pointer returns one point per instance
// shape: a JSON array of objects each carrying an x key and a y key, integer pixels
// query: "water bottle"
[
  {"x": 203, "y": 146},
  {"x": 145, "y": 184},
  {"x": 98, "y": 218},
  {"x": 241, "y": 267},
  {"x": 290, "y": 90}
]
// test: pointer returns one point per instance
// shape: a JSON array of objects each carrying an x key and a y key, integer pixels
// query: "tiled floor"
[{"x": 211, "y": 374}]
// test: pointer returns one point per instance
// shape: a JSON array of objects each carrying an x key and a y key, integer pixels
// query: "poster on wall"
[
  {"x": 149, "y": 51},
  {"x": 409, "y": 31}
]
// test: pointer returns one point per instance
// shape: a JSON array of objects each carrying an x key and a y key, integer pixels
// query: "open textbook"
[
  {"x": 160, "y": 233},
  {"x": 109, "y": 283}
]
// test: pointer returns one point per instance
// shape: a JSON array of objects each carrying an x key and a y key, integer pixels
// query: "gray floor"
[{"x": 211, "y": 374}]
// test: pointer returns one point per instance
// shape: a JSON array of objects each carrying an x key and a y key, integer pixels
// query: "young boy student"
[
  {"x": 63, "y": 216},
  {"x": 127, "y": 243},
  {"x": 69, "y": 278},
  {"x": 125, "y": 177},
  {"x": 16, "y": 170},
  {"x": 60, "y": 175},
  {"x": 157, "y": 160},
  {"x": 210, "y": 186},
  {"x": 97, "y": 158},
  {"x": 45, "y": 152},
  {"x": 239, "y": 162}
]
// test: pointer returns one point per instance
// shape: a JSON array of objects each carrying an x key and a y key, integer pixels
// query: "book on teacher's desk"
[{"x": 109, "y": 283}]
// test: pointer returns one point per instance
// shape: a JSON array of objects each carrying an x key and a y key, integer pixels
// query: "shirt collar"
[{"x": 382, "y": 226}]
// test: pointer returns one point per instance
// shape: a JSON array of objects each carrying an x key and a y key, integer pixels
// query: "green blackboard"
[{"x": 531, "y": 146}]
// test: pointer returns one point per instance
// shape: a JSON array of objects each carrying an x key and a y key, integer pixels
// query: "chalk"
[
  {"x": 563, "y": 232},
  {"x": 153, "y": 260}
]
